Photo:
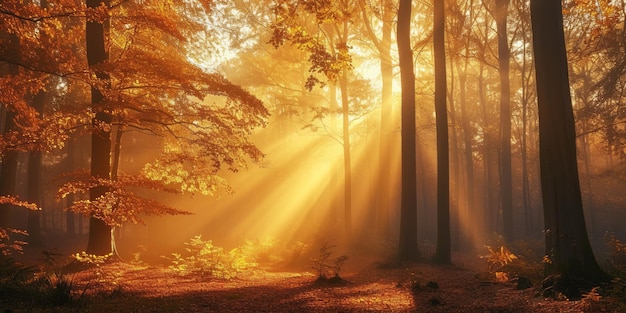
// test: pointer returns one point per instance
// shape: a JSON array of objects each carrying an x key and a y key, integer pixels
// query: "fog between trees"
[{"x": 283, "y": 119}]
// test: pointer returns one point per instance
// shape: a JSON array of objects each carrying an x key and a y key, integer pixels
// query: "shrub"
[
  {"x": 616, "y": 259},
  {"x": 206, "y": 260},
  {"x": 25, "y": 285},
  {"x": 506, "y": 265},
  {"x": 324, "y": 265}
]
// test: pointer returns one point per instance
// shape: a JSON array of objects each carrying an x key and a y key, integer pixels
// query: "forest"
[{"x": 312, "y": 156}]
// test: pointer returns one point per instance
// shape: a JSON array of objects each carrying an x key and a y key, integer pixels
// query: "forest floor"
[{"x": 369, "y": 286}]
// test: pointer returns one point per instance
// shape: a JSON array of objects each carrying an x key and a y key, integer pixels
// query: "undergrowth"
[
  {"x": 610, "y": 297},
  {"x": 206, "y": 260},
  {"x": 326, "y": 266},
  {"x": 28, "y": 286},
  {"x": 521, "y": 259}
]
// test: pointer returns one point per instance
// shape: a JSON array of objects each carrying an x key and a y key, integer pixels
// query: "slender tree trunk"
[
  {"x": 523, "y": 143},
  {"x": 347, "y": 163},
  {"x": 465, "y": 123},
  {"x": 385, "y": 139},
  {"x": 34, "y": 181},
  {"x": 567, "y": 243},
  {"x": 9, "y": 158},
  {"x": 526, "y": 199},
  {"x": 34, "y": 196},
  {"x": 407, "y": 247},
  {"x": 488, "y": 211},
  {"x": 443, "y": 253},
  {"x": 117, "y": 150},
  {"x": 467, "y": 139},
  {"x": 455, "y": 177},
  {"x": 506, "y": 181},
  {"x": 525, "y": 182},
  {"x": 336, "y": 201},
  {"x": 8, "y": 174},
  {"x": 70, "y": 220},
  {"x": 490, "y": 188},
  {"x": 99, "y": 232},
  {"x": 34, "y": 171}
]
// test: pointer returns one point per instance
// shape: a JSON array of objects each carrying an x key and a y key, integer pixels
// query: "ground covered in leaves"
[{"x": 368, "y": 285}]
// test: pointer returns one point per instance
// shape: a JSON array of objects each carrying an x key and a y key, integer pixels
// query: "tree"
[
  {"x": 30, "y": 56},
  {"x": 8, "y": 171},
  {"x": 201, "y": 120},
  {"x": 463, "y": 20},
  {"x": 34, "y": 181},
  {"x": 97, "y": 31},
  {"x": 407, "y": 246},
  {"x": 567, "y": 245},
  {"x": 329, "y": 54},
  {"x": 442, "y": 253},
  {"x": 383, "y": 46},
  {"x": 488, "y": 124},
  {"x": 525, "y": 67},
  {"x": 506, "y": 181},
  {"x": 8, "y": 168}
]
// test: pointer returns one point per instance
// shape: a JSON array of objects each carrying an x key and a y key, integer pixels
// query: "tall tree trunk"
[
  {"x": 335, "y": 197},
  {"x": 467, "y": 138},
  {"x": 34, "y": 170},
  {"x": 528, "y": 221},
  {"x": 34, "y": 180},
  {"x": 525, "y": 70},
  {"x": 347, "y": 163},
  {"x": 490, "y": 186},
  {"x": 34, "y": 196},
  {"x": 443, "y": 253},
  {"x": 488, "y": 198},
  {"x": 385, "y": 139},
  {"x": 99, "y": 232},
  {"x": 526, "y": 85},
  {"x": 407, "y": 246},
  {"x": 506, "y": 181},
  {"x": 9, "y": 158},
  {"x": 70, "y": 220},
  {"x": 465, "y": 122},
  {"x": 8, "y": 174},
  {"x": 567, "y": 243},
  {"x": 454, "y": 174}
]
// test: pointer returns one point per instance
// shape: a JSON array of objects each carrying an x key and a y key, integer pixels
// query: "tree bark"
[
  {"x": 506, "y": 181},
  {"x": 443, "y": 250},
  {"x": 468, "y": 154},
  {"x": 567, "y": 244},
  {"x": 347, "y": 163},
  {"x": 8, "y": 174},
  {"x": 34, "y": 181},
  {"x": 9, "y": 158},
  {"x": 70, "y": 220},
  {"x": 99, "y": 232},
  {"x": 385, "y": 140},
  {"x": 407, "y": 247}
]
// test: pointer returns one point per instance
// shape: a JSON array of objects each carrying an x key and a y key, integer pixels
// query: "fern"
[{"x": 498, "y": 258}]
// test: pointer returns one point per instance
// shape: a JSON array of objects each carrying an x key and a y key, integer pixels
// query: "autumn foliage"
[{"x": 200, "y": 120}]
